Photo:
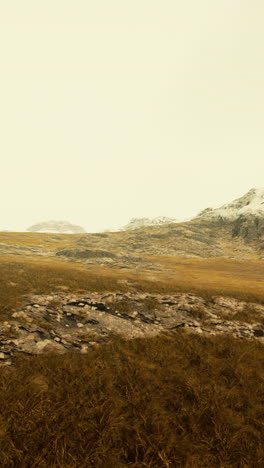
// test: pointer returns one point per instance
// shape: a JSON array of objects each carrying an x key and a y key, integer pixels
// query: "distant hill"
[
  {"x": 62, "y": 227},
  {"x": 136, "y": 223}
]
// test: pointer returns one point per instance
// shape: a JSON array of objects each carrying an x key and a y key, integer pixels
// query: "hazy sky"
[{"x": 113, "y": 109}]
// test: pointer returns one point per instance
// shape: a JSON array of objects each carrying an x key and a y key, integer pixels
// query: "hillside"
[{"x": 141, "y": 248}]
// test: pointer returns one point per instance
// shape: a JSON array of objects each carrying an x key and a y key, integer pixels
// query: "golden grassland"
[
  {"x": 208, "y": 277},
  {"x": 33, "y": 239},
  {"x": 188, "y": 239},
  {"x": 169, "y": 401},
  {"x": 176, "y": 400},
  {"x": 226, "y": 276},
  {"x": 50, "y": 242}
]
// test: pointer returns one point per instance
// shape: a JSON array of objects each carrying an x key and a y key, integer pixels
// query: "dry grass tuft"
[
  {"x": 122, "y": 305},
  {"x": 199, "y": 312},
  {"x": 248, "y": 315},
  {"x": 151, "y": 303}
]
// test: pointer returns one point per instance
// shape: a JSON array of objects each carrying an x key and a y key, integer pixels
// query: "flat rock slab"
[{"x": 64, "y": 322}]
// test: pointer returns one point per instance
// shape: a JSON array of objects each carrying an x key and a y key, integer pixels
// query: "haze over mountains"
[
  {"x": 235, "y": 230},
  {"x": 242, "y": 211}
]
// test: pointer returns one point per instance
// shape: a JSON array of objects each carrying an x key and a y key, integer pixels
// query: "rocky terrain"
[
  {"x": 198, "y": 238},
  {"x": 64, "y": 322},
  {"x": 69, "y": 322},
  {"x": 244, "y": 216},
  {"x": 63, "y": 227},
  {"x": 234, "y": 231}
]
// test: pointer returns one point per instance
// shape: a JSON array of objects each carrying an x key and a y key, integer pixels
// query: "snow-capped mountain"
[
  {"x": 250, "y": 204},
  {"x": 136, "y": 223},
  {"x": 61, "y": 227}
]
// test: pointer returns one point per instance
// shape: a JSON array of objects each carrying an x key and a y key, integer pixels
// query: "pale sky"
[{"x": 113, "y": 109}]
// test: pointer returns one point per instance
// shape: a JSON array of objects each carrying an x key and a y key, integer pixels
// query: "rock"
[
  {"x": 85, "y": 253},
  {"x": 261, "y": 339},
  {"x": 22, "y": 314},
  {"x": 69, "y": 327}
]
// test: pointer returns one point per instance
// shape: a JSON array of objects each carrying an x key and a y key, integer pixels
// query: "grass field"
[
  {"x": 170, "y": 401},
  {"x": 218, "y": 275},
  {"x": 20, "y": 276},
  {"x": 175, "y": 401}
]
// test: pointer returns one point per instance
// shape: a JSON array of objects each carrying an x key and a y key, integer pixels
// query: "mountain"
[
  {"x": 245, "y": 216},
  {"x": 136, "y": 223},
  {"x": 62, "y": 227},
  {"x": 250, "y": 204},
  {"x": 235, "y": 230},
  {"x": 249, "y": 207}
]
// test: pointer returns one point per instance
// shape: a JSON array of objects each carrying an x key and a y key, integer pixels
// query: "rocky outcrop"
[
  {"x": 63, "y": 227},
  {"x": 250, "y": 228},
  {"x": 66, "y": 322},
  {"x": 84, "y": 253},
  {"x": 243, "y": 218}
]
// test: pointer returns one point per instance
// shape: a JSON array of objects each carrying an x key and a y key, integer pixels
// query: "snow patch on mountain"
[
  {"x": 136, "y": 223},
  {"x": 252, "y": 203}
]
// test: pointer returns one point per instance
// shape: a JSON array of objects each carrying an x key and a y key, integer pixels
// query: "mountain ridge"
[{"x": 136, "y": 223}]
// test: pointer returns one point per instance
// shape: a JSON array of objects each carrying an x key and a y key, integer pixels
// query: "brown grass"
[
  {"x": 216, "y": 276},
  {"x": 199, "y": 312},
  {"x": 169, "y": 401},
  {"x": 248, "y": 315},
  {"x": 120, "y": 305},
  {"x": 54, "y": 304},
  {"x": 151, "y": 303},
  {"x": 19, "y": 277},
  {"x": 22, "y": 276},
  {"x": 43, "y": 324}
]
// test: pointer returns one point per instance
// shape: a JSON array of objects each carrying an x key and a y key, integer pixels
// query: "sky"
[{"x": 117, "y": 109}]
